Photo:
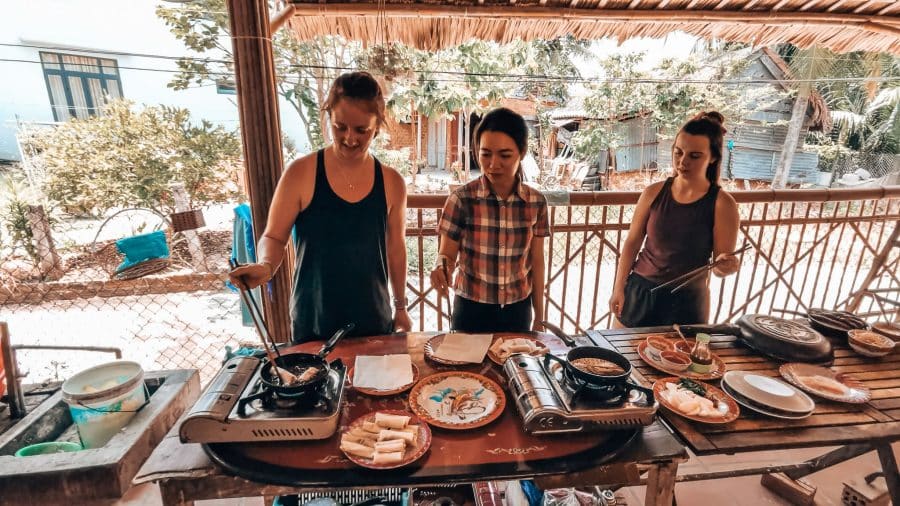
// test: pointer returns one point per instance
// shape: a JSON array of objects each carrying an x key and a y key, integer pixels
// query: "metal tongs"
[
  {"x": 686, "y": 278},
  {"x": 259, "y": 322}
]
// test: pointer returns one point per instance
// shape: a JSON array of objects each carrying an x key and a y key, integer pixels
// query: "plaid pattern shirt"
[{"x": 494, "y": 236}]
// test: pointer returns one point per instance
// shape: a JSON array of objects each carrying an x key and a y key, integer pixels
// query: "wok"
[
  {"x": 792, "y": 342},
  {"x": 290, "y": 361}
]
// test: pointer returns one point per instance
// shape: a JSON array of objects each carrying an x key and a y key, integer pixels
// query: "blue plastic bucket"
[{"x": 103, "y": 399}]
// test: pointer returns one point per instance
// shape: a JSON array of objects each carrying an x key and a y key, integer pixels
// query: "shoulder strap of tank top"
[
  {"x": 713, "y": 193},
  {"x": 664, "y": 193},
  {"x": 321, "y": 185}
]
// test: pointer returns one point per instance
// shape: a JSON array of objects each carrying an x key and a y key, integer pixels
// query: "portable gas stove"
[
  {"x": 236, "y": 407},
  {"x": 550, "y": 402}
]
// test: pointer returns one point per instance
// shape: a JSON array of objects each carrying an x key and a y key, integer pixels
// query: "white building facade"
[{"x": 59, "y": 58}]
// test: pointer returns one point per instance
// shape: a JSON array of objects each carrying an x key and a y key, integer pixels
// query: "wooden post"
[
  {"x": 875, "y": 271},
  {"x": 182, "y": 203},
  {"x": 254, "y": 70},
  {"x": 49, "y": 263}
]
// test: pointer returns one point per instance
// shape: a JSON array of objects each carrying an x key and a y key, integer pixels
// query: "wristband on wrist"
[{"x": 400, "y": 303}]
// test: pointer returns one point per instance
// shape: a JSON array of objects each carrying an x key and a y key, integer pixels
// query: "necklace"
[{"x": 346, "y": 179}]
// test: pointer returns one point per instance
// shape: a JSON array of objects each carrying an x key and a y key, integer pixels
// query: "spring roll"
[
  {"x": 371, "y": 427},
  {"x": 412, "y": 429},
  {"x": 387, "y": 457},
  {"x": 362, "y": 434},
  {"x": 357, "y": 449},
  {"x": 391, "y": 445},
  {"x": 389, "y": 421},
  {"x": 358, "y": 440},
  {"x": 387, "y": 434}
]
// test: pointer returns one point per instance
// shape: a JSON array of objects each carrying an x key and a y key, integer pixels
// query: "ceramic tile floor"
[{"x": 743, "y": 491}]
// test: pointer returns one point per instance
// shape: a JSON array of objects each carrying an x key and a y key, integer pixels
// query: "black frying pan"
[
  {"x": 795, "y": 342},
  {"x": 291, "y": 361},
  {"x": 614, "y": 384}
]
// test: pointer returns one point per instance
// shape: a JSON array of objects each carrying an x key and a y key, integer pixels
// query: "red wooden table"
[{"x": 500, "y": 450}]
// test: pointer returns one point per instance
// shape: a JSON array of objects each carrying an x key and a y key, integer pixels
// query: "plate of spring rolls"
[
  {"x": 386, "y": 439},
  {"x": 504, "y": 346}
]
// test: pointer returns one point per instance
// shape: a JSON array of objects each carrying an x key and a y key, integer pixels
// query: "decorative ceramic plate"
[
  {"x": 762, "y": 409},
  {"x": 727, "y": 408},
  {"x": 431, "y": 347},
  {"x": 499, "y": 357},
  {"x": 825, "y": 383},
  {"x": 384, "y": 393},
  {"x": 718, "y": 367},
  {"x": 457, "y": 400},
  {"x": 770, "y": 393},
  {"x": 412, "y": 454}
]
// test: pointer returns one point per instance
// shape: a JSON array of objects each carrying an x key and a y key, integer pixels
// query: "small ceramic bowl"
[
  {"x": 675, "y": 360},
  {"x": 683, "y": 346},
  {"x": 870, "y": 344},
  {"x": 887, "y": 329},
  {"x": 657, "y": 345}
]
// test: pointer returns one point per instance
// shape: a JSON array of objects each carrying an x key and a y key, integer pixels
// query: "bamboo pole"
[
  {"x": 281, "y": 17},
  {"x": 257, "y": 99}
]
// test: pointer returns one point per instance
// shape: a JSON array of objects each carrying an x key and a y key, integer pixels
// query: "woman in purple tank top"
[{"x": 686, "y": 220}]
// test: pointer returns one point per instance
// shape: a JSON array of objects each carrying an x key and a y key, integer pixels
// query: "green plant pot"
[{"x": 48, "y": 448}]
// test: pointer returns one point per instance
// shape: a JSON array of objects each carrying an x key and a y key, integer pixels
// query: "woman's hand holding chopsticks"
[{"x": 726, "y": 264}]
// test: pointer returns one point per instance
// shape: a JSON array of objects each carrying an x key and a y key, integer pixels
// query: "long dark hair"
[
  {"x": 709, "y": 124},
  {"x": 359, "y": 86}
]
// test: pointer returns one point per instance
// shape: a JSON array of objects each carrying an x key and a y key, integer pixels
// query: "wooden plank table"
[
  {"x": 185, "y": 473},
  {"x": 857, "y": 428}
]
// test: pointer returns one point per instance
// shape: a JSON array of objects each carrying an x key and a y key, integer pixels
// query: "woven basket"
[
  {"x": 142, "y": 269},
  {"x": 187, "y": 220}
]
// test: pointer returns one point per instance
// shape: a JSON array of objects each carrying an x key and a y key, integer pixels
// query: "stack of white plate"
[{"x": 766, "y": 395}]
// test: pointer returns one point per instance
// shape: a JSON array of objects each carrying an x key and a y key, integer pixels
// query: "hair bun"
[{"x": 712, "y": 116}]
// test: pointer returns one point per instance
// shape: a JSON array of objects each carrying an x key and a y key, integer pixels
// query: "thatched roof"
[{"x": 839, "y": 25}]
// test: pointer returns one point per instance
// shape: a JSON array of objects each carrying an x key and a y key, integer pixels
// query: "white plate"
[
  {"x": 759, "y": 409},
  {"x": 769, "y": 392}
]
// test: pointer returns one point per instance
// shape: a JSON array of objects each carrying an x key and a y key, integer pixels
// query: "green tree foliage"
[
  {"x": 862, "y": 90},
  {"x": 666, "y": 97},
  {"x": 130, "y": 157},
  {"x": 304, "y": 69}
]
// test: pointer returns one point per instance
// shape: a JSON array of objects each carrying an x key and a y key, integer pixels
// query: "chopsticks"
[
  {"x": 686, "y": 278},
  {"x": 285, "y": 377},
  {"x": 449, "y": 304}
]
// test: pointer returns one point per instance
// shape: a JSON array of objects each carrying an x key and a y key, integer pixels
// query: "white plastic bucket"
[{"x": 103, "y": 399}]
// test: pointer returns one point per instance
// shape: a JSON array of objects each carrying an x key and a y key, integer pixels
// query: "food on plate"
[
  {"x": 693, "y": 386},
  {"x": 391, "y": 421},
  {"x": 675, "y": 360},
  {"x": 387, "y": 457},
  {"x": 598, "y": 366},
  {"x": 503, "y": 348},
  {"x": 824, "y": 384},
  {"x": 354, "y": 448},
  {"x": 382, "y": 439},
  {"x": 683, "y": 346},
  {"x": 689, "y": 403},
  {"x": 657, "y": 345}
]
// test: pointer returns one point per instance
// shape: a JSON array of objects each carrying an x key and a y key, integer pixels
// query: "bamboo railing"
[{"x": 811, "y": 248}]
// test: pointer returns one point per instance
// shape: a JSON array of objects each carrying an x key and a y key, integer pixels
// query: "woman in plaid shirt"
[{"x": 492, "y": 231}]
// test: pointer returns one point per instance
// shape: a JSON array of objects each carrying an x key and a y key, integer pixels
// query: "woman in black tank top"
[
  {"x": 348, "y": 216},
  {"x": 686, "y": 220}
]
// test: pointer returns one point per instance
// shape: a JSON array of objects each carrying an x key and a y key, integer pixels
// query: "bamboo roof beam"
[
  {"x": 598, "y": 15},
  {"x": 281, "y": 17}
]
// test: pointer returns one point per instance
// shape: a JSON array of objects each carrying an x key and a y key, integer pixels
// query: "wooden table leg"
[
  {"x": 171, "y": 495},
  {"x": 661, "y": 484},
  {"x": 889, "y": 467}
]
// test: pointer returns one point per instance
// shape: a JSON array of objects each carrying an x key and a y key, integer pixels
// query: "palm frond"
[
  {"x": 887, "y": 97},
  {"x": 849, "y": 120}
]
